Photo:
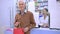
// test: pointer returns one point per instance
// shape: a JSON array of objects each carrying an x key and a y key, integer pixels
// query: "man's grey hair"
[{"x": 22, "y": 1}]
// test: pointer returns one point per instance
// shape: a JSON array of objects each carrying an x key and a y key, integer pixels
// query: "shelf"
[
  {"x": 39, "y": 5},
  {"x": 42, "y": 1}
]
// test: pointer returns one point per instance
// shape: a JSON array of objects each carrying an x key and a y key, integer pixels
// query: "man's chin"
[{"x": 22, "y": 9}]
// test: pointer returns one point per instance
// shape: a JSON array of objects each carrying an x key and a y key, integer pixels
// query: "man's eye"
[{"x": 20, "y": 4}]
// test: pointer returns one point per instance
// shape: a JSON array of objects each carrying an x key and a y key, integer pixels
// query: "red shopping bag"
[{"x": 18, "y": 31}]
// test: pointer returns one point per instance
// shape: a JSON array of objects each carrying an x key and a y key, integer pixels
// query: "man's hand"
[
  {"x": 17, "y": 23},
  {"x": 26, "y": 29}
]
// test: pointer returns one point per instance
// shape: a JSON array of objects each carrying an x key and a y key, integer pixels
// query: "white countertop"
[{"x": 46, "y": 29}]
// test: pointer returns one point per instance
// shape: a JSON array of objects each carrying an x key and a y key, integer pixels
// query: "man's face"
[{"x": 22, "y": 5}]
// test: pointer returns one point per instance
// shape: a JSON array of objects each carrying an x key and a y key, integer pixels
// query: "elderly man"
[{"x": 24, "y": 19}]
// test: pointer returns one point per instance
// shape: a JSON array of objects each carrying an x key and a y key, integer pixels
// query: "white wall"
[
  {"x": 6, "y": 6},
  {"x": 4, "y": 15},
  {"x": 54, "y": 10}
]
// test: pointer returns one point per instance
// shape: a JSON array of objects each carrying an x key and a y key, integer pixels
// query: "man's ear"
[
  {"x": 25, "y": 7},
  {"x": 18, "y": 4}
]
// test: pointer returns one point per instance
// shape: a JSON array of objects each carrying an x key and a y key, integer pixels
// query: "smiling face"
[
  {"x": 22, "y": 5},
  {"x": 44, "y": 12}
]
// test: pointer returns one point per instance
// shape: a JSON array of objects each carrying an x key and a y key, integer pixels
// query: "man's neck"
[{"x": 22, "y": 12}]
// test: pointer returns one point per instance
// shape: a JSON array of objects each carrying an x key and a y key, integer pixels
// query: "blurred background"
[{"x": 8, "y": 10}]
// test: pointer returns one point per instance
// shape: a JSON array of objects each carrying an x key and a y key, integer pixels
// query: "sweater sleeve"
[{"x": 32, "y": 22}]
